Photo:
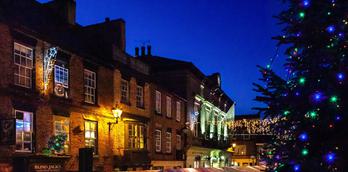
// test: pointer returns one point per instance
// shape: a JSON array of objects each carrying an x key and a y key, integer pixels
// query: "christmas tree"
[{"x": 311, "y": 101}]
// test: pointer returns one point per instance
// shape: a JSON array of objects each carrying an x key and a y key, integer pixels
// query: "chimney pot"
[
  {"x": 136, "y": 51},
  {"x": 149, "y": 50},
  {"x": 107, "y": 19},
  {"x": 142, "y": 51}
]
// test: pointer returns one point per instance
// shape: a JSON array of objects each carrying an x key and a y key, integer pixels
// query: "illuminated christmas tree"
[{"x": 311, "y": 102}]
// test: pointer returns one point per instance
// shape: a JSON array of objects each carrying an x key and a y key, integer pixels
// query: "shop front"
[
  {"x": 39, "y": 163},
  {"x": 200, "y": 157}
]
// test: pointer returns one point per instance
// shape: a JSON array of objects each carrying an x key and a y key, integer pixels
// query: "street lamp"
[{"x": 116, "y": 112}]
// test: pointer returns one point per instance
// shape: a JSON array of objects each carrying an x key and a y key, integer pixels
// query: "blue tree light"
[
  {"x": 338, "y": 117},
  {"x": 297, "y": 167},
  {"x": 317, "y": 96},
  {"x": 303, "y": 137},
  {"x": 306, "y": 3},
  {"x": 330, "y": 157},
  {"x": 340, "y": 76},
  {"x": 330, "y": 29}
]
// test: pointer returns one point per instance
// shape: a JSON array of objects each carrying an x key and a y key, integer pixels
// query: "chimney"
[
  {"x": 149, "y": 50},
  {"x": 142, "y": 51},
  {"x": 107, "y": 20},
  {"x": 65, "y": 9},
  {"x": 136, "y": 51}
]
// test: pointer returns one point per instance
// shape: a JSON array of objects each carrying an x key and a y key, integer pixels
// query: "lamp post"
[{"x": 116, "y": 112}]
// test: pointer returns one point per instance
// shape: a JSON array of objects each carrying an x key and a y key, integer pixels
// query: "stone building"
[
  {"x": 209, "y": 109},
  {"x": 63, "y": 79}
]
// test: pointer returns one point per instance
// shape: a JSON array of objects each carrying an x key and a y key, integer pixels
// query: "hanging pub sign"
[{"x": 7, "y": 131}]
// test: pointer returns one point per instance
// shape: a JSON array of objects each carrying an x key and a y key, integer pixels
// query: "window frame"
[
  {"x": 92, "y": 88},
  {"x": 26, "y": 67},
  {"x": 178, "y": 142},
  {"x": 168, "y": 143},
  {"x": 168, "y": 106},
  {"x": 158, "y": 140},
  {"x": 140, "y": 97},
  {"x": 127, "y": 91},
  {"x": 31, "y": 131},
  {"x": 137, "y": 138},
  {"x": 67, "y": 142},
  {"x": 158, "y": 100},
  {"x": 95, "y": 148},
  {"x": 65, "y": 71},
  {"x": 178, "y": 111}
]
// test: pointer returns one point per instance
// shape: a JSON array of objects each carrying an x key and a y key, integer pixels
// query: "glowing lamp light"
[
  {"x": 116, "y": 112},
  {"x": 330, "y": 29},
  {"x": 303, "y": 137},
  {"x": 301, "y": 14},
  {"x": 330, "y": 157}
]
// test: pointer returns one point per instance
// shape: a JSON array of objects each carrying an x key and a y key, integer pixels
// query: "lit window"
[
  {"x": 91, "y": 135},
  {"x": 158, "y": 102},
  {"x": 23, "y": 61},
  {"x": 140, "y": 96},
  {"x": 61, "y": 127},
  {"x": 169, "y": 107},
  {"x": 61, "y": 76},
  {"x": 168, "y": 142},
  {"x": 90, "y": 86},
  {"x": 178, "y": 111},
  {"x": 158, "y": 140},
  {"x": 178, "y": 142},
  {"x": 136, "y": 136},
  {"x": 24, "y": 131},
  {"x": 124, "y": 91}
]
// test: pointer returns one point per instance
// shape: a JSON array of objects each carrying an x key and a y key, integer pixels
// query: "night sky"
[{"x": 228, "y": 36}]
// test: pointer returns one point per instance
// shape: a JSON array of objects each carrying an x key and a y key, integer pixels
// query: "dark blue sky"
[{"x": 228, "y": 36}]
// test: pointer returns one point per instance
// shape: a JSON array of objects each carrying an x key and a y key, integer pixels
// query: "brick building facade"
[
  {"x": 61, "y": 79},
  {"x": 77, "y": 99},
  {"x": 167, "y": 129}
]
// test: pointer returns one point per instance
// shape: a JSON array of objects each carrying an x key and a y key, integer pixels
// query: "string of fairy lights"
[{"x": 252, "y": 126}]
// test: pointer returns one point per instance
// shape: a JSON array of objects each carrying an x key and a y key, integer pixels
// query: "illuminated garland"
[
  {"x": 252, "y": 126},
  {"x": 48, "y": 64}
]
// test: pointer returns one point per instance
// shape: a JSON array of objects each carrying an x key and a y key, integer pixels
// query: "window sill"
[
  {"x": 141, "y": 107},
  {"x": 126, "y": 103},
  {"x": 90, "y": 104}
]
